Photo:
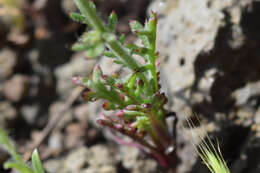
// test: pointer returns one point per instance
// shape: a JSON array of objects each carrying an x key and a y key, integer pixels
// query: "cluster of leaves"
[
  {"x": 17, "y": 162},
  {"x": 137, "y": 95}
]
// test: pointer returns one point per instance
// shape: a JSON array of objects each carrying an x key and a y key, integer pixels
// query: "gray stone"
[
  {"x": 76, "y": 160},
  {"x": 7, "y": 112},
  {"x": 242, "y": 95},
  {"x": 102, "y": 169},
  {"x": 100, "y": 155},
  {"x": 129, "y": 156},
  {"x": 15, "y": 88},
  {"x": 30, "y": 113},
  {"x": 7, "y": 62},
  {"x": 54, "y": 165}
]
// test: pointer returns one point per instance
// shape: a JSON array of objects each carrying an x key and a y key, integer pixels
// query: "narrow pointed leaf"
[
  {"x": 7, "y": 144},
  {"x": 22, "y": 168},
  {"x": 112, "y": 21},
  {"x": 36, "y": 162},
  {"x": 78, "y": 17},
  {"x": 136, "y": 26},
  {"x": 122, "y": 39},
  {"x": 109, "y": 54}
]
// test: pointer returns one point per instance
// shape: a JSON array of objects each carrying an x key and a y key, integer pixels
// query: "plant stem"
[
  {"x": 116, "y": 47},
  {"x": 113, "y": 44},
  {"x": 90, "y": 14}
]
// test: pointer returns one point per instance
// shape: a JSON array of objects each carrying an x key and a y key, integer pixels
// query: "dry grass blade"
[{"x": 210, "y": 155}]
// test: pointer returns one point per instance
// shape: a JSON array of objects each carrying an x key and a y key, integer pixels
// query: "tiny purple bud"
[
  {"x": 131, "y": 21},
  {"x": 105, "y": 105},
  {"x": 101, "y": 116},
  {"x": 119, "y": 85},
  {"x": 84, "y": 94},
  {"x": 105, "y": 77},
  {"x": 118, "y": 126},
  {"x": 99, "y": 121},
  {"x": 146, "y": 105},
  {"x": 77, "y": 80},
  {"x": 133, "y": 125},
  {"x": 142, "y": 61},
  {"x": 122, "y": 96},
  {"x": 157, "y": 63},
  {"x": 97, "y": 67},
  {"x": 113, "y": 12},
  {"x": 120, "y": 114}
]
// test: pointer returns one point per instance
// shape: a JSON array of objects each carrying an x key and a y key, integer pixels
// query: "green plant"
[
  {"x": 137, "y": 97},
  {"x": 17, "y": 161}
]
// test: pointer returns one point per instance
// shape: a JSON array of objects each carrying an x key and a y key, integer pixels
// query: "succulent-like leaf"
[
  {"x": 78, "y": 17},
  {"x": 109, "y": 54},
  {"x": 143, "y": 122},
  {"x": 95, "y": 51},
  {"x": 136, "y": 27},
  {"x": 112, "y": 21},
  {"x": 122, "y": 39},
  {"x": 80, "y": 47}
]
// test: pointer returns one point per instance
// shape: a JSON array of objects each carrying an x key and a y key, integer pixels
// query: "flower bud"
[
  {"x": 118, "y": 126},
  {"x": 120, "y": 114},
  {"x": 119, "y": 85},
  {"x": 77, "y": 80}
]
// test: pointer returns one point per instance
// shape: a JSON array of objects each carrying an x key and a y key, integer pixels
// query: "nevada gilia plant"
[{"x": 136, "y": 98}]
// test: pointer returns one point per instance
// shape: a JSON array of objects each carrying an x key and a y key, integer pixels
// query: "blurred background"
[{"x": 210, "y": 65}]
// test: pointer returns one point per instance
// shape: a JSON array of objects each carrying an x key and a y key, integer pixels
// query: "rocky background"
[{"x": 210, "y": 65}]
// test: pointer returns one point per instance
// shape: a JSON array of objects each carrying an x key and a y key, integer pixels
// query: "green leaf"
[
  {"x": 7, "y": 144},
  {"x": 95, "y": 51},
  {"x": 78, "y": 17},
  {"x": 136, "y": 26},
  {"x": 143, "y": 122},
  {"x": 132, "y": 47},
  {"x": 132, "y": 81},
  {"x": 122, "y": 39},
  {"x": 151, "y": 25},
  {"x": 109, "y": 54},
  {"x": 109, "y": 37},
  {"x": 91, "y": 37},
  {"x": 97, "y": 74},
  {"x": 89, "y": 95},
  {"x": 109, "y": 106},
  {"x": 112, "y": 21},
  {"x": 80, "y": 47},
  {"x": 18, "y": 166},
  {"x": 92, "y": 5},
  {"x": 138, "y": 90},
  {"x": 119, "y": 62},
  {"x": 36, "y": 162}
]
